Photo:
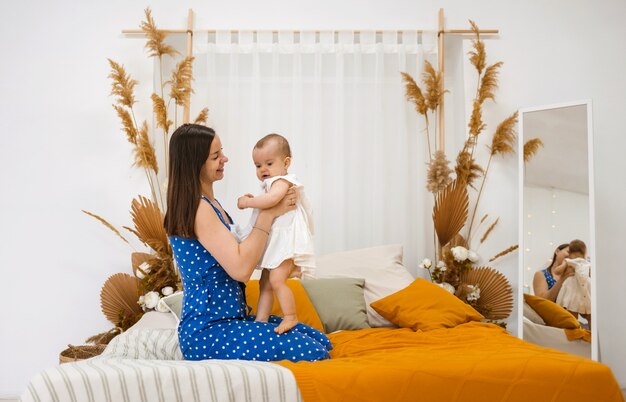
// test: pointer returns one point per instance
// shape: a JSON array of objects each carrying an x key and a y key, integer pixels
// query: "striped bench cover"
[{"x": 147, "y": 365}]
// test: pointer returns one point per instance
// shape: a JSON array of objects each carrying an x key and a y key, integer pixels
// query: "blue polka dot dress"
[{"x": 214, "y": 323}]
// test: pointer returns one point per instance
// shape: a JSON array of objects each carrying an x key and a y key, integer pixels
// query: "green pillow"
[{"x": 339, "y": 302}]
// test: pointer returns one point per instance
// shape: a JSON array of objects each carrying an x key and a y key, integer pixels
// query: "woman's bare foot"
[{"x": 288, "y": 322}]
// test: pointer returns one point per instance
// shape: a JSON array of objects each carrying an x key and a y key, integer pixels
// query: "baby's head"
[
  {"x": 271, "y": 156},
  {"x": 577, "y": 249}
]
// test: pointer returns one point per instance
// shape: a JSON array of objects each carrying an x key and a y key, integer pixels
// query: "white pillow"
[
  {"x": 381, "y": 267},
  {"x": 174, "y": 304},
  {"x": 155, "y": 320}
]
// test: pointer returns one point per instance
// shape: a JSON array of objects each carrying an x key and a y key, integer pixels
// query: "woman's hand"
[
  {"x": 569, "y": 271},
  {"x": 288, "y": 203}
]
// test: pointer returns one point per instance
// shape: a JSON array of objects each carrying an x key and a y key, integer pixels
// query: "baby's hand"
[{"x": 242, "y": 202}]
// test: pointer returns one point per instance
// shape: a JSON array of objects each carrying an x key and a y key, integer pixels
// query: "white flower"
[
  {"x": 151, "y": 299},
  {"x": 168, "y": 290},
  {"x": 472, "y": 256},
  {"x": 141, "y": 301},
  {"x": 162, "y": 307},
  {"x": 426, "y": 263},
  {"x": 474, "y": 294},
  {"x": 459, "y": 253},
  {"x": 145, "y": 267},
  {"x": 442, "y": 266},
  {"x": 447, "y": 287}
]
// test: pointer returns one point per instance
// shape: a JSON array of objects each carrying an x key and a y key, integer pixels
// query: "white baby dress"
[
  {"x": 575, "y": 294},
  {"x": 291, "y": 235}
]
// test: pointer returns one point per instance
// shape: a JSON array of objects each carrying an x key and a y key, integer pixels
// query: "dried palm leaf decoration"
[
  {"x": 496, "y": 296},
  {"x": 118, "y": 298},
  {"x": 450, "y": 211},
  {"x": 148, "y": 222}
]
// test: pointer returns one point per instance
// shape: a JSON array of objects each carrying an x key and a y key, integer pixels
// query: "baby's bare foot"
[{"x": 288, "y": 322}]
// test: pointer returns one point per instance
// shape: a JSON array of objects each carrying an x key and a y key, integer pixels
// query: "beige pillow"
[
  {"x": 339, "y": 302},
  {"x": 381, "y": 267},
  {"x": 532, "y": 315}
]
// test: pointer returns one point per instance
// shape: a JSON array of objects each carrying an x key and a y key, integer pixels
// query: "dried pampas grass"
[
  {"x": 467, "y": 170},
  {"x": 434, "y": 89},
  {"x": 180, "y": 84},
  {"x": 531, "y": 147},
  {"x": 160, "y": 111},
  {"x": 202, "y": 116},
  {"x": 127, "y": 123},
  {"x": 123, "y": 86},
  {"x": 476, "y": 125},
  {"x": 489, "y": 83},
  {"x": 414, "y": 94},
  {"x": 104, "y": 338},
  {"x": 439, "y": 174},
  {"x": 503, "y": 141},
  {"x": 156, "y": 38},
  {"x": 504, "y": 252},
  {"x": 107, "y": 224},
  {"x": 450, "y": 211},
  {"x": 162, "y": 274},
  {"x": 489, "y": 229},
  {"x": 477, "y": 56},
  {"x": 145, "y": 156}
]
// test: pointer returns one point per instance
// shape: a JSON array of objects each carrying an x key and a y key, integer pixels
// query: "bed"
[
  {"x": 536, "y": 331},
  {"x": 439, "y": 352}
]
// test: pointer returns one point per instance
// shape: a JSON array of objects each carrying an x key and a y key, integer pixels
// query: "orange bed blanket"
[{"x": 471, "y": 362}]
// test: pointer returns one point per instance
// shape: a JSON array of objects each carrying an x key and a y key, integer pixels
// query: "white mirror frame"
[{"x": 592, "y": 220}]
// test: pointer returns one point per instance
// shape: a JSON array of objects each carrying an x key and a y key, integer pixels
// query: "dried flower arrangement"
[
  {"x": 124, "y": 297},
  {"x": 455, "y": 269}
]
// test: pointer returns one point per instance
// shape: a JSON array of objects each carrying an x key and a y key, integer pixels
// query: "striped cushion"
[{"x": 145, "y": 344}]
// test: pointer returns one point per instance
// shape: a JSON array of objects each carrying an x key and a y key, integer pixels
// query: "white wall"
[{"x": 61, "y": 149}]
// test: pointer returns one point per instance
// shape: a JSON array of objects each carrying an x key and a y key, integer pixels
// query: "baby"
[
  {"x": 290, "y": 243},
  {"x": 575, "y": 294}
]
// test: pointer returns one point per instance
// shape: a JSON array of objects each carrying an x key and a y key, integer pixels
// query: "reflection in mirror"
[{"x": 556, "y": 226}]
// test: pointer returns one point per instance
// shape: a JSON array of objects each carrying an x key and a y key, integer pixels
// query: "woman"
[
  {"x": 213, "y": 265},
  {"x": 547, "y": 283}
]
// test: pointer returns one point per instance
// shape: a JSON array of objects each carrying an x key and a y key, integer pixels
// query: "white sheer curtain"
[{"x": 339, "y": 99}]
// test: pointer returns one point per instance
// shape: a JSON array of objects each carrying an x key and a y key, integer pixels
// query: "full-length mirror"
[{"x": 557, "y": 237}]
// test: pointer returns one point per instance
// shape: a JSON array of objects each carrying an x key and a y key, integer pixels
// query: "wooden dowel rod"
[
  {"x": 187, "y": 108},
  {"x": 470, "y": 32},
  {"x": 449, "y": 31},
  {"x": 441, "y": 47}
]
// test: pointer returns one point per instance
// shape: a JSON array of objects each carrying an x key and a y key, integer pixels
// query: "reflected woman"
[{"x": 547, "y": 283}]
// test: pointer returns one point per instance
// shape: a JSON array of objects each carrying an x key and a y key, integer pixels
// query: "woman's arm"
[
  {"x": 238, "y": 259},
  {"x": 540, "y": 285},
  {"x": 272, "y": 197}
]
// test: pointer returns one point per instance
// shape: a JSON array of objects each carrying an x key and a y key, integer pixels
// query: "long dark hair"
[
  {"x": 189, "y": 149},
  {"x": 561, "y": 247}
]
